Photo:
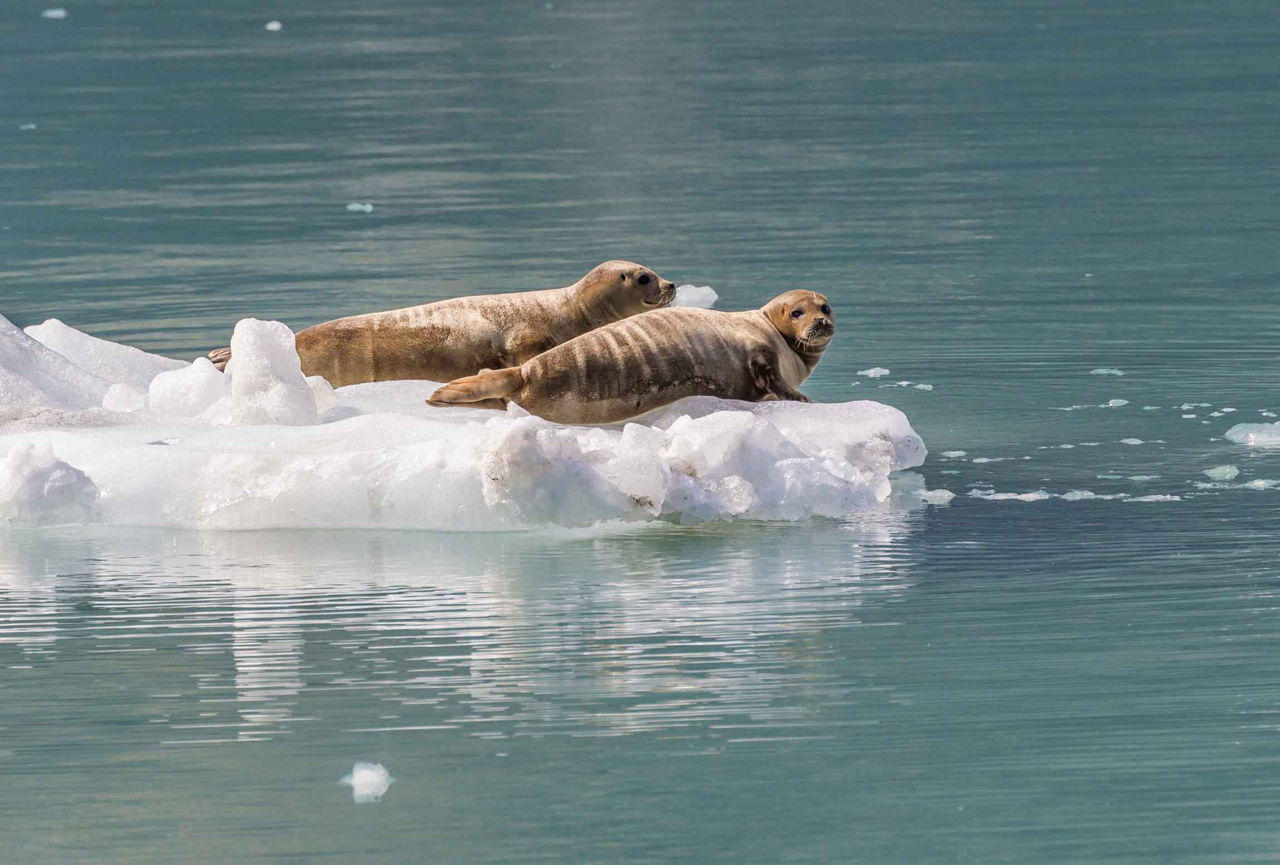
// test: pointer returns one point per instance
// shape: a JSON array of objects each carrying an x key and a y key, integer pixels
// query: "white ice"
[
  {"x": 1222, "y": 473},
  {"x": 700, "y": 296},
  {"x": 874, "y": 372},
  {"x": 1258, "y": 435},
  {"x": 369, "y": 782},
  {"x": 1103, "y": 370},
  {"x": 55, "y": 14},
  {"x": 88, "y": 438}
]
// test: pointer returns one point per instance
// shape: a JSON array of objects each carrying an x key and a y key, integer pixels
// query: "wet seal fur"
[
  {"x": 452, "y": 338},
  {"x": 640, "y": 364}
]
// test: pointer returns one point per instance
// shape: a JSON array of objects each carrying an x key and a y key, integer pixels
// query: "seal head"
[
  {"x": 618, "y": 289},
  {"x": 805, "y": 321}
]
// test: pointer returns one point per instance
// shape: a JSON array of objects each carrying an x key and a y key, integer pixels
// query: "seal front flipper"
[
  {"x": 489, "y": 389},
  {"x": 768, "y": 379}
]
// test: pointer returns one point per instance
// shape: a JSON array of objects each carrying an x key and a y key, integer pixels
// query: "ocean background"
[{"x": 1005, "y": 201}]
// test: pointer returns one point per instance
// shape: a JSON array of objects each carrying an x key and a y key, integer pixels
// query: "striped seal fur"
[
  {"x": 639, "y": 364},
  {"x": 451, "y": 338}
]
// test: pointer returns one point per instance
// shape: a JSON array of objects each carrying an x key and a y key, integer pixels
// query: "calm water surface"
[{"x": 998, "y": 197}]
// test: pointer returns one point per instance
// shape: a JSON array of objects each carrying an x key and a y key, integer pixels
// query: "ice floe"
[
  {"x": 701, "y": 296},
  {"x": 1260, "y": 435},
  {"x": 108, "y": 434}
]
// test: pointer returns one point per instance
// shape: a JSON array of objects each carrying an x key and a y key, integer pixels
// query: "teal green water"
[{"x": 998, "y": 198}]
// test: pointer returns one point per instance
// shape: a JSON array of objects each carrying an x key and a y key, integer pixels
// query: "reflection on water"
[{"x": 537, "y": 634}]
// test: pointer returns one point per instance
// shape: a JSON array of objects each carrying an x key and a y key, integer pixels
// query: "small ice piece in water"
[
  {"x": 1106, "y": 370},
  {"x": 952, "y": 454},
  {"x": 357, "y": 207},
  {"x": 1157, "y": 498},
  {"x": 1087, "y": 495},
  {"x": 1116, "y": 403},
  {"x": 1131, "y": 441},
  {"x": 1226, "y": 410},
  {"x": 1215, "y": 414},
  {"x": 26, "y": 127},
  {"x": 274, "y": 26},
  {"x": 1267, "y": 413},
  {"x": 1141, "y": 478},
  {"x": 989, "y": 459},
  {"x": 1222, "y": 473},
  {"x": 903, "y": 383},
  {"x": 368, "y": 782},
  {"x": 936, "y": 497},
  {"x": 992, "y": 496},
  {"x": 874, "y": 372},
  {"x": 1188, "y": 416},
  {"x": 1259, "y": 484},
  {"x": 1151, "y": 408},
  {"x": 55, "y": 14},
  {"x": 924, "y": 387},
  {"x": 699, "y": 296},
  {"x": 1109, "y": 477}
]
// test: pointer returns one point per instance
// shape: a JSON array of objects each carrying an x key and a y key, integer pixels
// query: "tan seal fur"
[
  {"x": 452, "y": 338},
  {"x": 639, "y": 364}
]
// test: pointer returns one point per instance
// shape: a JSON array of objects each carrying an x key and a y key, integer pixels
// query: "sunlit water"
[{"x": 999, "y": 199}]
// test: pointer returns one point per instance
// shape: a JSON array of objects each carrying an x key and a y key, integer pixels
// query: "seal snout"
[{"x": 666, "y": 294}]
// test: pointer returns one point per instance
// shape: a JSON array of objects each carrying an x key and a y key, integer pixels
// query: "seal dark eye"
[
  {"x": 643, "y": 279},
  {"x": 796, "y": 313},
  {"x": 826, "y": 310}
]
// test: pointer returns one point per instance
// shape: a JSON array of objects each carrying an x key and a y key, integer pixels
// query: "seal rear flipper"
[
  {"x": 220, "y": 357},
  {"x": 491, "y": 387}
]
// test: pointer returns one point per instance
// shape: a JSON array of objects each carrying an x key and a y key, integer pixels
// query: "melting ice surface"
[{"x": 94, "y": 431}]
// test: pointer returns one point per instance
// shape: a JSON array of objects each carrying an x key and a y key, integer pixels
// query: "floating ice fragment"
[
  {"x": 952, "y": 454},
  {"x": 1151, "y": 408},
  {"x": 1103, "y": 370},
  {"x": 1262, "y": 435},
  {"x": 936, "y": 497},
  {"x": 357, "y": 207},
  {"x": 1131, "y": 441},
  {"x": 275, "y": 26},
  {"x": 990, "y": 459},
  {"x": 368, "y": 782},
  {"x": 55, "y": 14},
  {"x": 700, "y": 296},
  {"x": 1116, "y": 403},
  {"x": 924, "y": 387},
  {"x": 1188, "y": 416},
  {"x": 32, "y": 376},
  {"x": 1227, "y": 410},
  {"x": 1260, "y": 484},
  {"x": 1215, "y": 414},
  {"x": 26, "y": 127},
  {"x": 1267, "y": 413},
  {"x": 992, "y": 496},
  {"x": 1089, "y": 495},
  {"x": 1141, "y": 478},
  {"x": 874, "y": 372},
  {"x": 1157, "y": 498}
]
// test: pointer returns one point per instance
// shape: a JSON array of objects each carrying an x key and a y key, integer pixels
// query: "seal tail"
[
  {"x": 220, "y": 356},
  {"x": 490, "y": 388}
]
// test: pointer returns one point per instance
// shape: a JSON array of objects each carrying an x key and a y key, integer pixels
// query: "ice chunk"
[
  {"x": 953, "y": 454},
  {"x": 187, "y": 392},
  {"x": 1089, "y": 495},
  {"x": 992, "y": 496},
  {"x": 358, "y": 207},
  {"x": 274, "y": 26},
  {"x": 1131, "y": 441},
  {"x": 1106, "y": 370},
  {"x": 34, "y": 376},
  {"x": 26, "y": 127},
  {"x": 1222, "y": 473},
  {"x": 1157, "y": 498},
  {"x": 874, "y": 372},
  {"x": 37, "y": 487},
  {"x": 924, "y": 387},
  {"x": 369, "y": 782},
  {"x": 116, "y": 363},
  {"x": 1259, "y": 435},
  {"x": 267, "y": 384},
  {"x": 55, "y": 14},
  {"x": 936, "y": 497},
  {"x": 701, "y": 296},
  {"x": 124, "y": 398},
  {"x": 1116, "y": 403}
]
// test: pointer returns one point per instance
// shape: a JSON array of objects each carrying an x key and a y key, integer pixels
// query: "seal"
[
  {"x": 451, "y": 338},
  {"x": 640, "y": 364}
]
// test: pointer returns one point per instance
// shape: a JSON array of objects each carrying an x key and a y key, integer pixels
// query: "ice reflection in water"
[{"x": 567, "y": 633}]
